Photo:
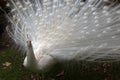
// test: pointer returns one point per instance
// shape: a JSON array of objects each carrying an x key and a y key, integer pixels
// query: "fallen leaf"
[
  {"x": 60, "y": 74},
  {"x": 6, "y": 64}
]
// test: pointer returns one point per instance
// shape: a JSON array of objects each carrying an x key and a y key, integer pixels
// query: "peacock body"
[{"x": 53, "y": 31}]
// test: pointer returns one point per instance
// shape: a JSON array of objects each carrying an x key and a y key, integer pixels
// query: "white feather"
[{"x": 66, "y": 29}]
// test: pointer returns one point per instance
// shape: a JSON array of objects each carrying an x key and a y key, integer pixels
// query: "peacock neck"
[
  {"x": 30, "y": 55},
  {"x": 31, "y": 60}
]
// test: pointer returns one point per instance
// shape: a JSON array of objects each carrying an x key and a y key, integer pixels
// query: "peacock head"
[{"x": 37, "y": 61}]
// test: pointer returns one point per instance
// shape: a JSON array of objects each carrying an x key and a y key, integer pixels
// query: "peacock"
[{"x": 52, "y": 31}]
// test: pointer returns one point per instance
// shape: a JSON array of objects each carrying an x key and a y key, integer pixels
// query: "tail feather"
[{"x": 67, "y": 28}]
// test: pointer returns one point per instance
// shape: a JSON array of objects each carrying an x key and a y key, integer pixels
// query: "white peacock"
[{"x": 64, "y": 30}]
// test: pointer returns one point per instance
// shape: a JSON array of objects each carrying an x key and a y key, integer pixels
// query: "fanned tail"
[{"x": 69, "y": 29}]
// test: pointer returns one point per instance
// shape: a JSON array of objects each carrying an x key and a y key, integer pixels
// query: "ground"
[{"x": 11, "y": 68}]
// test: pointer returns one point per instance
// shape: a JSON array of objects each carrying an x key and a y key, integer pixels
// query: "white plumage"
[{"x": 61, "y": 30}]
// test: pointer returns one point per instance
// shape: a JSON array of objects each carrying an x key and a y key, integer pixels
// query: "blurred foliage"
[{"x": 11, "y": 69}]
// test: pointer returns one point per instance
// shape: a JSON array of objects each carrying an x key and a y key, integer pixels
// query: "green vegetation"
[
  {"x": 11, "y": 66},
  {"x": 11, "y": 69}
]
